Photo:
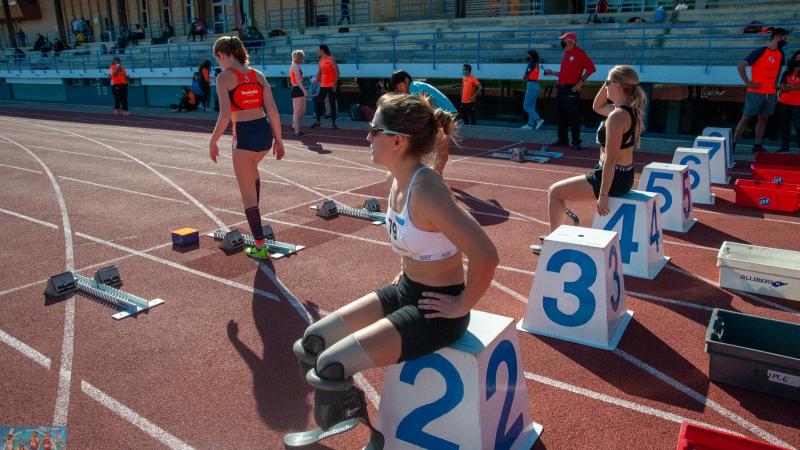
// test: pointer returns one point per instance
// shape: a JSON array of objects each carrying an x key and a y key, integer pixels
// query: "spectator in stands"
[
  {"x": 789, "y": 102},
  {"x": 76, "y": 26},
  {"x": 345, "y": 12},
  {"x": 188, "y": 101},
  {"x": 58, "y": 47},
  {"x": 19, "y": 54},
  {"x": 137, "y": 34},
  {"x": 765, "y": 66},
  {"x": 576, "y": 68},
  {"x": 681, "y": 5},
  {"x": 21, "y": 37},
  {"x": 38, "y": 43},
  {"x": 46, "y": 46},
  {"x": 205, "y": 83},
  {"x": 197, "y": 29},
  {"x": 401, "y": 81},
  {"x": 470, "y": 89},
  {"x": 622, "y": 101},
  {"x": 328, "y": 78},
  {"x": 298, "y": 92},
  {"x": 253, "y": 38},
  {"x": 532, "y": 90},
  {"x": 119, "y": 87},
  {"x": 600, "y": 8},
  {"x": 88, "y": 30}
]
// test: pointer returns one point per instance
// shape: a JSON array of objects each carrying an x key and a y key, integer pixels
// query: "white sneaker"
[
  {"x": 539, "y": 123},
  {"x": 526, "y": 127}
]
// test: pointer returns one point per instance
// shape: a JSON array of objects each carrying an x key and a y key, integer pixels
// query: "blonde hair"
[
  {"x": 628, "y": 79},
  {"x": 416, "y": 116},
  {"x": 296, "y": 55},
  {"x": 232, "y": 46}
]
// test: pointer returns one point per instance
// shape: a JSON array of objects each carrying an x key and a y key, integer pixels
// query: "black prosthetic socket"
[{"x": 332, "y": 407}]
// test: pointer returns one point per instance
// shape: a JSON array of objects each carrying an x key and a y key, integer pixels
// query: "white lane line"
[
  {"x": 128, "y": 191},
  {"x": 25, "y": 349},
  {"x": 178, "y": 266},
  {"x": 618, "y": 401},
  {"x": 22, "y": 168},
  {"x": 755, "y": 298},
  {"x": 28, "y": 218},
  {"x": 510, "y": 291},
  {"x": 134, "y": 418},
  {"x": 696, "y": 396},
  {"x": 164, "y": 178},
  {"x": 485, "y": 152},
  {"x": 67, "y": 351}
]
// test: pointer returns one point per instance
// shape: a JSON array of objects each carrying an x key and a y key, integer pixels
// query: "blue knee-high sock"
[
  {"x": 254, "y": 220},
  {"x": 258, "y": 191}
]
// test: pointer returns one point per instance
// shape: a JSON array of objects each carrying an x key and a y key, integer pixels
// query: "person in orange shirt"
[
  {"x": 328, "y": 79},
  {"x": 789, "y": 102},
  {"x": 119, "y": 86},
  {"x": 470, "y": 89},
  {"x": 205, "y": 83},
  {"x": 188, "y": 101},
  {"x": 765, "y": 66},
  {"x": 531, "y": 77}
]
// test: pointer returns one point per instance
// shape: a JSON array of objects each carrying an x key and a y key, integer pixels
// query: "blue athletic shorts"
[
  {"x": 756, "y": 104},
  {"x": 253, "y": 135}
]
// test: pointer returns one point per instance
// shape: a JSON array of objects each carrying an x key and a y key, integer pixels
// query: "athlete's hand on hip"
[
  {"x": 442, "y": 306},
  {"x": 277, "y": 148},
  {"x": 754, "y": 85},
  {"x": 602, "y": 205},
  {"x": 213, "y": 151}
]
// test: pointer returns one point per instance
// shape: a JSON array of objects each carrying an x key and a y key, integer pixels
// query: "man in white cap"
[{"x": 576, "y": 67}]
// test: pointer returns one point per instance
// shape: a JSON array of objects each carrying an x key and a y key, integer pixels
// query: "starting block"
[
  {"x": 728, "y": 135},
  {"x": 370, "y": 211},
  {"x": 470, "y": 395},
  {"x": 760, "y": 270},
  {"x": 672, "y": 182},
  {"x": 67, "y": 283},
  {"x": 718, "y": 164},
  {"x": 578, "y": 293},
  {"x": 635, "y": 217},
  {"x": 698, "y": 160},
  {"x": 522, "y": 154},
  {"x": 235, "y": 239}
]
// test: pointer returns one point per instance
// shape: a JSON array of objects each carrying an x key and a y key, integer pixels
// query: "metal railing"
[
  {"x": 325, "y": 14},
  {"x": 641, "y": 46},
  {"x": 651, "y": 5}
]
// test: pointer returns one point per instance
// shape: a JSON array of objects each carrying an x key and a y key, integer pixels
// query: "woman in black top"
[{"x": 622, "y": 101}]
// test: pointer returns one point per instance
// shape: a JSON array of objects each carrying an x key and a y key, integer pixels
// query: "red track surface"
[{"x": 187, "y": 369}]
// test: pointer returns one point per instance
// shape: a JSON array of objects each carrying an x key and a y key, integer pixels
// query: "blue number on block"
[
  {"x": 579, "y": 288},
  {"x": 712, "y": 145},
  {"x": 504, "y": 353},
  {"x": 655, "y": 236},
  {"x": 613, "y": 264},
  {"x": 410, "y": 428},
  {"x": 651, "y": 187},
  {"x": 627, "y": 213},
  {"x": 687, "y": 196},
  {"x": 692, "y": 172}
]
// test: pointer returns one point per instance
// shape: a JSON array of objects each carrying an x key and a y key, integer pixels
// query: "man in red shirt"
[
  {"x": 576, "y": 68},
  {"x": 765, "y": 66},
  {"x": 470, "y": 89},
  {"x": 119, "y": 86}
]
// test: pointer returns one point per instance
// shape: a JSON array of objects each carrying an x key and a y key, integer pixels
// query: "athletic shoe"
[
  {"x": 536, "y": 249},
  {"x": 526, "y": 127},
  {"x": 539, "y": 123},
  {"x": 259, "y": 253},
  {"x": 315, "y": 125},
  {"x": 758, "y": 148}
]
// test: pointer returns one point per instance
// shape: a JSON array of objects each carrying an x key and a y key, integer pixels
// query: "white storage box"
[{"x": 760, "y": 270}]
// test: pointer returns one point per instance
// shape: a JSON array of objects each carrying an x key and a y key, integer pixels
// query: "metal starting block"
[
  {"x": 66, "y": 284},
  {"x": 276, "y": 249},
  {"x": 370, "y": 211},
  {"x": 522, "y": 154}
]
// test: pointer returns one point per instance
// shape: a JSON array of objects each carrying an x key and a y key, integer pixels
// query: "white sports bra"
[{"x": 408, "y": 240}]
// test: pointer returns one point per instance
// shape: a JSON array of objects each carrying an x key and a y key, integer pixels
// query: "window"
[
  {"x": 145, "y": 22},
  {"x": 166, "y": 13}
]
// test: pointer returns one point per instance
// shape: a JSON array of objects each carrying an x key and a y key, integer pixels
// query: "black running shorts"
[
  {"x": 620, "y": 185},
  {"x": 253, "y": 135}
]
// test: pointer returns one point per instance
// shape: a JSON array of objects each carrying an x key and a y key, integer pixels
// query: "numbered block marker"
[
  {"x": 698, "y": 160},
  {"x": 635, "y": 217},
  {"x": 578, "y": 293},
  {"x": 470, "y": 395},
  {"x": 674, "y": 188},
  {"x": 728, "y": 135},
  {"x": 718, "y": 164}
]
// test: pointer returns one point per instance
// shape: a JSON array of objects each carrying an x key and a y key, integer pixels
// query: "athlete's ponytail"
[
  {"x": 232, "y": 46},
  {"x": 414, "y": 115},
  {"x": 627, "y": 77}
]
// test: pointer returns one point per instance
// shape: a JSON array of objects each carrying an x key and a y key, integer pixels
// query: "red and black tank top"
[{"x": 248, "y": 93}]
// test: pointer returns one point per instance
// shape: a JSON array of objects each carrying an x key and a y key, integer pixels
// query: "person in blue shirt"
[{"x": 401, "y": 81}]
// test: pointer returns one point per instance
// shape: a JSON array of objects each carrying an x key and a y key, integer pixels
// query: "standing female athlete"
[
  {"x": 427, "y": 306},
  {"x": 244, "y": 94},
  {"x": 618, "y": 135},
  {"x": 298, "y": 93}
]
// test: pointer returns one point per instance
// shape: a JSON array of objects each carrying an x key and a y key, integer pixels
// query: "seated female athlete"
[{"x": 427, "y": 306}]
